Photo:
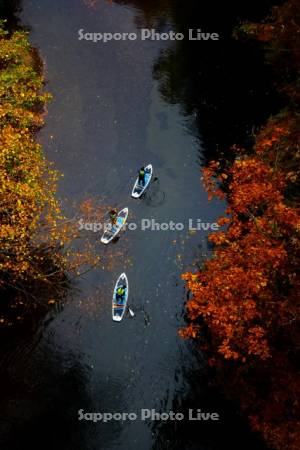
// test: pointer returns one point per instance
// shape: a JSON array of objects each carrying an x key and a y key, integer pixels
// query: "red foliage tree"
[{"x": 247, "y": 296}]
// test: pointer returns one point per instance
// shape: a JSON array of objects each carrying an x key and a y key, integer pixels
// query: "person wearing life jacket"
[
  {"x": 120, "y": 293},
  {"x": 142, "y": 176},
  {"x": 113, "y": 216}
]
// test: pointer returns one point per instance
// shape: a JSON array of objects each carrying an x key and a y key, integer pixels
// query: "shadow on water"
[
  {"x": 224, "y": 86},
  {"x": 9, "y": 10},
  {"x": 60, "y": 382},
  {"x": 32, "y": 380},
  {"x": 199, "y": 394},
  {"x": 154, "y": 196}
]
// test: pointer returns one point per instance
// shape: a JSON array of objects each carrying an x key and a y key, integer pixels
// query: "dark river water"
[{"x": 118, "y": 106}]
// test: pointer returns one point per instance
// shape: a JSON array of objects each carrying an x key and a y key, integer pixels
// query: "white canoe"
[
  {"x": 138, "y": 189},
  {"x": 119, "y": 305},
  {"x": 113, "y": 230}
]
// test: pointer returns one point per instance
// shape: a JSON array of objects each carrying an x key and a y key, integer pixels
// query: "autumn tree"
[
  {"x": 36, "y": 241},
  {"x": 246, "y": 298}
]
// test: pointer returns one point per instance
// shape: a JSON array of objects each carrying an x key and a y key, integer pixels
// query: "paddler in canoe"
[
  {"x": 113, "y": 215},
  {"x": 142, "y": 176},
  {"x": 120, "y": 293}
]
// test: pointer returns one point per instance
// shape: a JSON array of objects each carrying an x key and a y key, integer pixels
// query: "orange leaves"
[
  {"x": 191, "y": 331},
  {"x": 257, "y": 344},
  {"x": 239, "y": 292},
  {"x": 227, "y": 351},
  {"x": 218, "y": 238},
  {"x": 248, "y": 294},
  {"x": 210, "y": 180},
  {"x": 223, "y": 221}
]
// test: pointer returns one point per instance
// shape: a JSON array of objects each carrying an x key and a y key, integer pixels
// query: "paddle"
[{"x": 131, "y": 312}]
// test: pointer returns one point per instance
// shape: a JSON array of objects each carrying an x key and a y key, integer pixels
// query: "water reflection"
[
  {"x": 53, "y": 373},
  {"x": 9, "y": 10},
  {"x": 40, "y": 406},
  {"x": 223, "y": 85},
  {"x": 199, "y": 393}
]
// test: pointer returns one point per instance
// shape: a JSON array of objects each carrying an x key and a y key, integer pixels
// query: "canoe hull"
[
  {"x": 112, "y": 231},
  {"x": 119, "y": 306},
  {"x": 139, "y": 190}
]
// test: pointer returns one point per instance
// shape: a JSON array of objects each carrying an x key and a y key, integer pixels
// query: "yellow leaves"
[{"x": 27, "y": 186}]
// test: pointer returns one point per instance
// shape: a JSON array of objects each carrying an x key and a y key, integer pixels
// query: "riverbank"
[
  {"x": 27, "y": 182},
  {"x": 34, "y": 265},
  {"x": 246, "y": 298}
]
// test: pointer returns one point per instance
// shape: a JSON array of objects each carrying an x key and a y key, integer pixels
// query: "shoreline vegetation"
[
  {"x": 37, "y": 256},
  {"x": 245, "y": 301}
]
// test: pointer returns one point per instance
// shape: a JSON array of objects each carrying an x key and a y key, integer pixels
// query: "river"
[{"x": 111, "y": 113}]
